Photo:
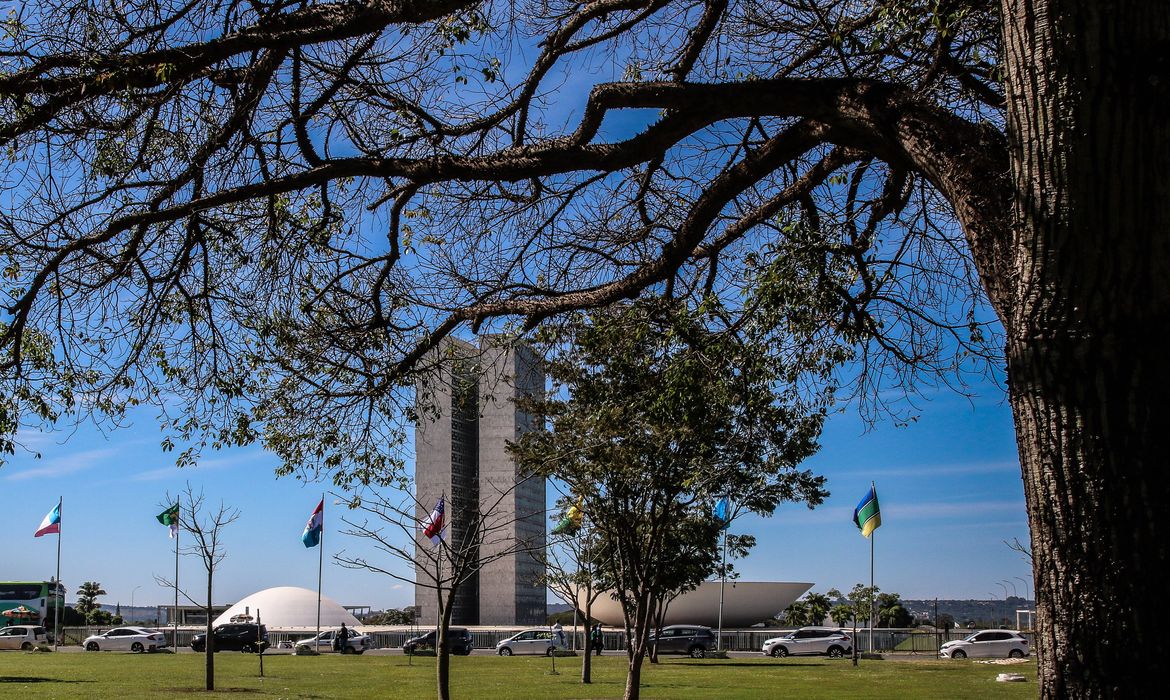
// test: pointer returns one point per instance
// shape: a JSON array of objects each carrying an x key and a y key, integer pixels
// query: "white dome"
[{"x": 289, "y": 606}]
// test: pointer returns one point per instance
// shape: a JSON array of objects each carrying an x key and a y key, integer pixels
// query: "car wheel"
[
  {"x": 549, "y": 652},
  {"x": 1016, "y": 654},
  {"x": 196, "y": 648},
  {"x": 359, "y": 651},
  {"x": 505, "y": 651},
  {"x": 27, "y": 646},
  {"x": 697, "y": 652},
  {"x": 836, "y": 652},
  {"x": 779, "y": 652},
  {"x": 92, "y": 646},
  {"x": 958, "y": 654},
  {"x": 136, "y": 647},
  {"x": 248, "y": 649}
]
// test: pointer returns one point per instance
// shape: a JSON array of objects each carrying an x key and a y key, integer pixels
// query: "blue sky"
[{"x": 948, "y": 483}]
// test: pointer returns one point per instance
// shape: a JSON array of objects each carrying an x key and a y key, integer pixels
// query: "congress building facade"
[{"x": 467, "y": 412}]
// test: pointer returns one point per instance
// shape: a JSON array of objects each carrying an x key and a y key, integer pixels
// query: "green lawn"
[{"x": 129, "y": 676}]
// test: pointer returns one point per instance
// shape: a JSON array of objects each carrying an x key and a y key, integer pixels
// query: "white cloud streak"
[{"x": 64, "y": 466}]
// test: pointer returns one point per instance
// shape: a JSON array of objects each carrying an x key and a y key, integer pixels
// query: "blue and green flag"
[{"x": 867, "y": 516}]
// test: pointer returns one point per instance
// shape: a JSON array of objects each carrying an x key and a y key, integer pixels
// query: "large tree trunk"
[
  {"x": 634, "y": 672},
  {"x": 1088, "y": 92},
  {"x": 442, "y": 652},
  {"x": 587, "y": 665}
]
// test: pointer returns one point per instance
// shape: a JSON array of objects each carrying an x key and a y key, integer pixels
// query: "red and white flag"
[{"x": 433, "y": 526}]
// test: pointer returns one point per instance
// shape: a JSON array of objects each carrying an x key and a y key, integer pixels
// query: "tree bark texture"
[
  {"x": 442, "y": 653},
  {"x": 1088, "y": 95}
]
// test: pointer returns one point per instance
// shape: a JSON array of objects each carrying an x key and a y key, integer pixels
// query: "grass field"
[{"x": 132, "y": 676}]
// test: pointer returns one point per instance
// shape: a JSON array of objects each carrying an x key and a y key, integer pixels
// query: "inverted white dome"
[
  {"x": 744, "y": 603},
  {"x": 288, "y": 606}
]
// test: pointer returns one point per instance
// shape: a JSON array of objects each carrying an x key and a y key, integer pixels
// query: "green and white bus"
[{"x": 34, "y": 595}]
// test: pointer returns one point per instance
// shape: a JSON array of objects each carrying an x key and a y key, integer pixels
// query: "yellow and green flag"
[
  {"x": 571, "y": 523},
  {"x": 867, "y": 516}
]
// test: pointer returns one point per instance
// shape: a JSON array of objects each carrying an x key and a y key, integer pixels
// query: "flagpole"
[
  {"x": 59, "y": 610},
  {"x": 872, "y": 595},
  {"x": 722, "y": 580},
  {"x": 320, "y": 567},
  {"x": 175, "y": 609}
]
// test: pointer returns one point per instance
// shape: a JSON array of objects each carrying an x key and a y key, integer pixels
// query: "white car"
[
  {"x": 534, "y": 641},
  {"x": 23, "y": 637},
  {"x": 356, "y": 643},
  {"x": 999, "y": 643},
  {"x": 828, "y": 641},
  {"x": 126, "y": 639}
]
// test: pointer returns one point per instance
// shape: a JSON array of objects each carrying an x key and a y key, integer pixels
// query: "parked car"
[
  {"x": 458, "y": 641},
  {"x": 1001, "y": 643},
  {"x": 126, "y": 639},
  {"x": 685, "y": 639},
  {"x": 534, "y": 641},
  {"x": 826, "y": 641},
  {"x": 23, "y": 637},
  {"x": 236, "y": 636},
  {"x": 355, "y": 643}
]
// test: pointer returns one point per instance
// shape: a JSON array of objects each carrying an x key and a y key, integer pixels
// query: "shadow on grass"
[
  {"x": 741, "y": 664},
  {"x": 36, "y": 679},
  {"x": 193, "y": 689}
]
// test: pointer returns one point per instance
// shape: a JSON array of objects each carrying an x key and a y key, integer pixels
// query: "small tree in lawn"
[
  {"x": 664, "y": 410},
  {"x": 860, "y": 602},
  {"x": 394, "y": 527},
  {"x": 205, "y": 524},
  {"x": 573, "y": 570}
]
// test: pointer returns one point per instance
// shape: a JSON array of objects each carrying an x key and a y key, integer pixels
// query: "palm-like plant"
[
  {"x": 797, "y": 614},
  {"x": 87, "y": 595},
  {"x": 818, "y": 605},
  {"x": 842, "y": 613}
]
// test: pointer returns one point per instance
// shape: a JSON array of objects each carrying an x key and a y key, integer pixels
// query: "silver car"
[
  {"x": 826, "y": 641},
  {"x": 355, "y": 643},
  {"x": 535, "y": 641},
  {"x": 23, "y": 637},
  {"x": 997, "y": 643},
  {"x": 136, "y": 639}
]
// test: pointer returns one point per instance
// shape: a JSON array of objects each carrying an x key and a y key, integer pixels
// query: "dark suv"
[
  {"x": 237, "y": 636},
  {"x": 458, "y": 641},
  {"x": 685, "y": 639}
]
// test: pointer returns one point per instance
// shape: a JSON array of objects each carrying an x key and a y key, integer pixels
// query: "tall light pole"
[
  {"x": 1024, "y": 581},
  {"x": 1015, "y": 594},
  {"x": 1005, "y": 595},
  {"x": 132, "y": 596}
]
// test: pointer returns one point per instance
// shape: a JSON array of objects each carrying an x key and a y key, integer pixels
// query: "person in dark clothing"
[
  {"x": 595, "y": 639},
  {"x": 342, "y": 639}
]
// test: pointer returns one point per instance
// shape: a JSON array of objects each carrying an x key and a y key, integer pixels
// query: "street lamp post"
[
  {"x": 1005, "y": 595},
  {"x": 1015, "y": 593},
  {"x": 1024, "y": 581},
  {"x": 132, "y": 596}
]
